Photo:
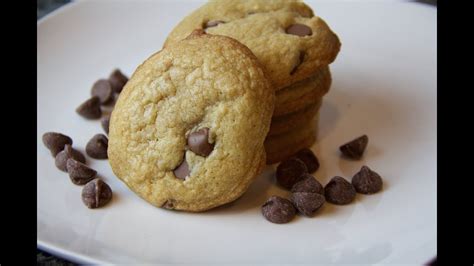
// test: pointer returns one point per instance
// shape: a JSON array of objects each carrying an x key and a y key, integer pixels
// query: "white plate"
[{"x": 384, "y": 86}]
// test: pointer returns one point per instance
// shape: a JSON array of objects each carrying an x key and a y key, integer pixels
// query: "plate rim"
[
  {"x": 67, "y": 254},
  {"x": 57, "y": 11}
]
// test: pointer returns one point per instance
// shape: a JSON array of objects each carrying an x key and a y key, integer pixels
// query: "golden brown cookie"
[
  {"x": 188, "y": 129},
  {"x": 287, "y": 122},
  {"x": 281, "y": 147},
  {"x": 287, "y": 38},
  {"x": 303, "y": 93}
]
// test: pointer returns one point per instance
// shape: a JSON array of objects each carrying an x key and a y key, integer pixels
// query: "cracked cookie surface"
[
  {"x": 289, "y": 41},
  {"x": 204, "y": 101}
]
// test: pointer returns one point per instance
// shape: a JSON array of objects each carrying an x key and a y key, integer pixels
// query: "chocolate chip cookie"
[
  {"x": 285, "y": 35},
  {"x": 303, "y": 93},
  {"x": 285, "y": 123},
  {"x": 188, "y": 129},
  {"x": 283, "y": 146}
]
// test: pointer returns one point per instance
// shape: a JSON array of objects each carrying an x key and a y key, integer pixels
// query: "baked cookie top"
[
  {"x": 188, "y": 129},
  {"x": 289, "y": 41}
]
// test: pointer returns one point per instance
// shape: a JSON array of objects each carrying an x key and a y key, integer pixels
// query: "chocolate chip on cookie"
[
  {"x": 55, "y": 142},
  {"x": 79, "y": 173},
  {"x": 198, "y": 142},
  {"x": 96, "y": 194},
  {"x": 300, "y": 61},
  {"x": 278, "y": 210},
  {"x": 117, "y": 80},
  {"x": 290, "y": 171},
  {"x": 68, "y": 153},
  {"x": 339, "y": 191},
  {"x": 308, "y": 184},
  {"x": 299, "y": 30},
  {"x": 102, "y": 89},
  {"x": 97, "y": 146},
  {"x": 105, "y": 123},
  {"x": 355, "y": 148},
  {"x": 90, "y": 109},
  {"x": 169, "y": 204},
  {"x": 212, "y": 23},
  {"x": 309, "y": 158},
  {"x": 367, "y": 181},
  {"x": 307, "y": 203},
  {"x": 182, "y": 171}
]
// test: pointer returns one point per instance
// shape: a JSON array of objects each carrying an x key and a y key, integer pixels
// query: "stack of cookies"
[
  {"x": 296, "y": 115},
  {"x": 293, "y": 46},
  {"x": 238, "y": 84}
]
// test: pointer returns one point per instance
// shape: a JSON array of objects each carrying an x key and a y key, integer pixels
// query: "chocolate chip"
[
  {"x": 213, "y": 23},
  {"x": 300, "y": 61},
  {"x": 97, "y": 147},
  {"x": 117, "y": 80},
  {"x": 169, "y": 204},
  {"x": 355, "y": 148},
  {"x": 79, "y": 173},
  {"x": 105, "y": 123},
  {"x": 68, "y": 153},
  {"x": 55, "y": 142},
  {"x": 290, "y": 171},
  {"x": 198, "y": 142},
  {"x": 299, "y": 30},
  {"x": 339, "y": 191},
  {"x": 309, "y": 158},
  {"x": 308, "y": 184},
  {"x": 182, "y": 171},
  {"x": 278, "y": 210},
  {"x": 307, "y": 203},
  {"x": 96, "y": 194},
  {"x": 90, "y": 109},
  {"x": 102, "y": 89},
  {"x": 367, "y": 181}
]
